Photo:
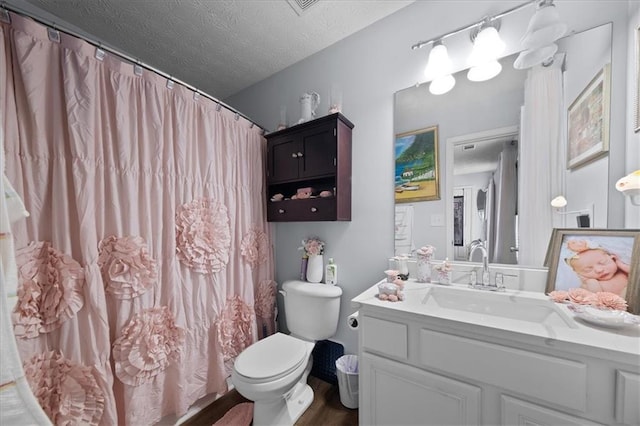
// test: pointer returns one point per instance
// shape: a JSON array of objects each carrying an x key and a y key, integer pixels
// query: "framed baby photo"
[{"x": 597, "y": 260}]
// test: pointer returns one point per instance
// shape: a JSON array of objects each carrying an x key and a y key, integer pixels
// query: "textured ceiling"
[{"x": 218, "y": 46}]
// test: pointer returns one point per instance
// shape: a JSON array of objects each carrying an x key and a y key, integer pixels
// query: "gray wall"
[{"x": 370, "y": 66}]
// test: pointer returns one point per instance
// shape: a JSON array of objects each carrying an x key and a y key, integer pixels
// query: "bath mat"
[{"x": 238, "y": 415}]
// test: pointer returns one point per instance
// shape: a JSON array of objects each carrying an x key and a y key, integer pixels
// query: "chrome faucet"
[{"x": 479, "y": 245}]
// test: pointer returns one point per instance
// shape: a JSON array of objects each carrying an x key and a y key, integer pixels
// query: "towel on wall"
[{"x": 404, "y": 229}]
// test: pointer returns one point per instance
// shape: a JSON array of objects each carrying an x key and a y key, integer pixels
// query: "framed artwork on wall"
[
  {"x": 416, "y": 166},
  {"x": 595, "y": 261},
  {"x": 588, "y": 121}
]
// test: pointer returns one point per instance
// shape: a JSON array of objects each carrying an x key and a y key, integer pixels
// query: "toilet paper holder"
[{"x": 353, "y": 320}]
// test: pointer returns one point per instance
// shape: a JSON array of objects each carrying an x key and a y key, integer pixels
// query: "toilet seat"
[{"x": 271, "y": 358}]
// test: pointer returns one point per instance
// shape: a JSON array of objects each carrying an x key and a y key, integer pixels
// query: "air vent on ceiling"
[{"x": 301, "y": 6}]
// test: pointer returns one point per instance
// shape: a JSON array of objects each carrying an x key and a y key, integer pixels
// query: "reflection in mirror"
[
  {"x": 485, "y": 195},
  {"x": 481, "y": 115}
]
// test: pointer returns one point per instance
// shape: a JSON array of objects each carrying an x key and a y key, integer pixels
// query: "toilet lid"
[{"x": 274, "y": 356}]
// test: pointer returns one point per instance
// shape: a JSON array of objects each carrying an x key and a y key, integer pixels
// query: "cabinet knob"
[
  {"x": 313, "y": 209},
  {"x": 299, "y": 155},
  {"x": 294, "y": 155},
  {"x": 280, "y": 211}
]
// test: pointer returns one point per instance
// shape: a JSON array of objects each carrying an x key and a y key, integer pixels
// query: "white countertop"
[{"x": 560, "y": 329}]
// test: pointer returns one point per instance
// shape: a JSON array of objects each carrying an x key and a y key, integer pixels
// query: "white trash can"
[{"x": 347, "y": 372}]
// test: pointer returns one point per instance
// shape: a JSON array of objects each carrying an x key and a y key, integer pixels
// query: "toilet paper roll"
[{"x": 353, "y": 320}]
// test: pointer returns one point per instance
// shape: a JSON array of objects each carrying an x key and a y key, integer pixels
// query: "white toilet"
[{"x": 273, "y": 371}]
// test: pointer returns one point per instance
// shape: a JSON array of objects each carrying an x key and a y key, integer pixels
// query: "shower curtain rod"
[{"x": 122, "y": 55}]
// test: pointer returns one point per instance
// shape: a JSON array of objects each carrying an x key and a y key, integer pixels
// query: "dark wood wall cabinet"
[{"x": 316, "y": 155}]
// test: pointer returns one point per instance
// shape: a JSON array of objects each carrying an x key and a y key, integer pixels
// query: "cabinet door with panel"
[
  {"x": 283, "y": 158},
  {"x": 392, "y": 393},
  {"x": 316, "y": 155}
]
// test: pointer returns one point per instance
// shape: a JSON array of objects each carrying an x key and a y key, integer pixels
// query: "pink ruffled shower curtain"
[{"x": 147, "y": 259}]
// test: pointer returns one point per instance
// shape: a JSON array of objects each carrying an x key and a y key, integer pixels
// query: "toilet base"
[{"x": 284, "y": 411}]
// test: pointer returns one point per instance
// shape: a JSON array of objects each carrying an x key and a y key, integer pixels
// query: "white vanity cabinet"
[{"x": 422, "y": 369}]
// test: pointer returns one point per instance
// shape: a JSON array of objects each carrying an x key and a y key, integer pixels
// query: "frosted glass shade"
[
  {"x": 544, "y": 28},
  {"x": 439, "y": 63},
  {"x": 487, "y": 46},
  {"x": 442, "y": 85},
  {"x": 559, "y": 202},
  {"x": 485, "y": 71},
  {"x": 530, "y": 58}
]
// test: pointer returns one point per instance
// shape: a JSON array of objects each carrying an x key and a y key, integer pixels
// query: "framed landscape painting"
[
  {"x": 416, "y": 166},
  {"x": 588, "y": 121}
]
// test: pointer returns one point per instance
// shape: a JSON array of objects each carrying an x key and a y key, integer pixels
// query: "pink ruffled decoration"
[
  {"x": 203, "y": 237},
  {"x": 265, "y": 299},
  {"x": 67, "y": 392},
  {"x": 606, "y": 300},
  {"x": 559, "y": 296},
  {"x": 234, "y": 327},
  {"x": 127, "y": 269},
  {"x": 255, "y": 247},
  {"x": 580, "y": 296},
  {"x": 50, "y": 290},
  {"x": 148, "y": 344}
]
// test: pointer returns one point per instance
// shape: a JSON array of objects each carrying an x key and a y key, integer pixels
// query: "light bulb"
[
  {"x": 559, "y": 202},
  {"x": 439, "y": 63},
  {"x": 485, "y": 71},
  {"x": 442, "y": 85},
  {"x": 544, "y": 28},
  {"x": 487, "y": 46}
]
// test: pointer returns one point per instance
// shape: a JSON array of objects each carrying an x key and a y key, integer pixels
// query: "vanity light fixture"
[
  {"x": 584, "y": 216},
  {"x": 545, "y": 27},
  {"x": 487, "y": 47},
  {"x": 438, "y": 70},
  {"x": 629, "y": 185}
]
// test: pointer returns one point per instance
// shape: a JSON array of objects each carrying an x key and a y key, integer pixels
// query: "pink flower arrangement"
[
  {"x": 425, "y": 251},
  {"x": 580, "y": 296},
  {"x": 606, "y": 300},
  {"x": 313, "y": 246}
]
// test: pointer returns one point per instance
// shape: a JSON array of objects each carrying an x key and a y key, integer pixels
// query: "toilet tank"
[{"x": 311, "y": 310}]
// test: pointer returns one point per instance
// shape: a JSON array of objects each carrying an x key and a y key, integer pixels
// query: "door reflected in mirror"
[{"x": 485, "y": 195}]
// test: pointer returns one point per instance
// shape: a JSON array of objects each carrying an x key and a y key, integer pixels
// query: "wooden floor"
[{"x": 326, "y": 408}]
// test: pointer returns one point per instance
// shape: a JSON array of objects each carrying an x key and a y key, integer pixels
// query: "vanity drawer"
[
  {"x": 517, "y": 412},
  {"x": 627, "y": 397},
  {"x": 555, "y": 380},
  {"x": 385, "y": 337}
]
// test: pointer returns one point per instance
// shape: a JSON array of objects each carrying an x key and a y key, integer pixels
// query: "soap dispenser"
[{"x": 331, "y": 273}]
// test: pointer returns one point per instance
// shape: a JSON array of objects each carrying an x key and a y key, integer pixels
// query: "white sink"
[{"x": 510, "y": 305}]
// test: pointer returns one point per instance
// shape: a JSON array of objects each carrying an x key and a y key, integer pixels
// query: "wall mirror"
[{"x": 478, "y": 131}]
